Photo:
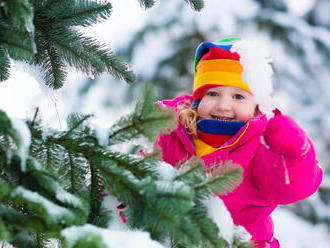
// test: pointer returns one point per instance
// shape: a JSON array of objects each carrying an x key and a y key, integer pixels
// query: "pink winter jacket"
[{"x": 278, "y": 160}]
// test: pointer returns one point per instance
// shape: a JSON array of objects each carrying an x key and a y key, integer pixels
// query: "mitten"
[
  {"x": 283, "y": 135},
  {"x": 268, "y": 244}
]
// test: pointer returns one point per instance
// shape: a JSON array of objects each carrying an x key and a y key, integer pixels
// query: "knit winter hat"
[{"x": 233, "y": 62}]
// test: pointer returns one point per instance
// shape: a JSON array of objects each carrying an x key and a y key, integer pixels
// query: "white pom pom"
[{"x": 257, "y": 72}]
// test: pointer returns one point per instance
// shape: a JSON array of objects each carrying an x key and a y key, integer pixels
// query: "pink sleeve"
[
  {"x": 176, "y": 102},
  {"x": 286, "y": 169}
]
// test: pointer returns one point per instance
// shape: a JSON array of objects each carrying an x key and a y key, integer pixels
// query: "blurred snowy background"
[{"x": 159, "y": 44}]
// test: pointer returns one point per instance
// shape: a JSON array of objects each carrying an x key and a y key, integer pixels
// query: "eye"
[
  {"x": 238, "y": 97},
  {"x": 212, "y": 93}
]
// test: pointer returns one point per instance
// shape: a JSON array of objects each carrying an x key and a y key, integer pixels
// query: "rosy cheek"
[{"x": 201, "y": 110}]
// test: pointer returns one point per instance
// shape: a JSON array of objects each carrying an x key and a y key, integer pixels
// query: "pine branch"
[
  {"x": 4, "y": 235},
  {"x": 128, "y": 188},
  {"x": 90, "y": 238},
  {"x": 147, "y": 3},
  {"x": 146, "y": 120},
  {"x": 4, "y": 64},
  {"x": 78, "y": 13},
  {"x": 167, "y": 208},
  {"x": 14, "y": 218},
  {"x": 4, "y": 189},
  {"x": 42, "y": 240},
  {"x": 53, "y": 204},
  {"x": 96, "y": 189},
  {"x": 75, "y": 172},
  {"x": 86, "y": 54},
  {"x": 138, "y": 165},
  {"x": 55, "y": 71},
  {"x": 74, "y": 48},
  {"x": 24, "y": 239},
  {"x": 191, "y": 171},
  {"x": 11, "y": 140},
  {"x": 164, "y": 204},
  {"x": 34, "y": 120},
  {"x": 18, "y": 44},
  {"x": 222, "y": 178},
  {"x": 18, "y": 13},
  {"x": 196, "y": 4},
  {"x": 111, "y": 62},
  {"x": 74, "y": 121},
  {"x": 208, "y": 229}
]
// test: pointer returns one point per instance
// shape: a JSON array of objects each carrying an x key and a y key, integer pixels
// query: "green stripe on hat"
[
  {"x": 230, "y": 41},
  {"x": 227, "y": 40}
]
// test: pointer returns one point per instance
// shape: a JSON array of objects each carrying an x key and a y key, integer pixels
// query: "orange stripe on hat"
[
  {"x": 219, "y": 65},
  {"x": 220, "y": 78}
]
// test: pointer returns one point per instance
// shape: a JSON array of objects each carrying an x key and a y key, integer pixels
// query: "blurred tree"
[{"x": 318, "y": 15}]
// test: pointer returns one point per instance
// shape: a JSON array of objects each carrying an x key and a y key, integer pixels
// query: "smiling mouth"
[{"x": 214, "y": 117}]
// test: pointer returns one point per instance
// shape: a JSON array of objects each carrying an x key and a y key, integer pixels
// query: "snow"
[
  {"x": 218, "y": 212},
  {"x": 322, "y": 209},
  {"x": 34, "y": 71},
  {"x": 165, "y": 171},
  {"x": 293, "y": 231},
  {"x": 326, "y": 182},
  {"x": 102, "y": 134},
  {"x": 24, "y": 140},
  {"x": 111, "y": 238},
  {"x": 51, "y": 208},
  {"x": 111, "y": 203},
  {"x": 299, "y": 7},
  {"x": 65, "y": 196},
  {"x": 322, "y": 12}
]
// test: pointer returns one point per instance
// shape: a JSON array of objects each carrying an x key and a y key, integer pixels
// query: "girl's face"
[{"x": 227, "y": 103}]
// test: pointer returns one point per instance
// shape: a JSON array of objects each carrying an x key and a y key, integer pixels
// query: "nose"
[{"x": 223, "y": 103}]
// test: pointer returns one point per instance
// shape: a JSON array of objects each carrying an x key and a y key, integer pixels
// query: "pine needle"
[
  {"x": 79, "y": 12},
  {"x": 4, "y": 64},
  {"x": 147, "y": 3},
  {"x": 222, "y": 178},
  {"x": 146, "y": 120},
  {"x": 196, "y": 4}
]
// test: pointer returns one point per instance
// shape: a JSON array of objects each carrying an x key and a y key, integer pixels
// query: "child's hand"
[{"x": 283, "y": 135}]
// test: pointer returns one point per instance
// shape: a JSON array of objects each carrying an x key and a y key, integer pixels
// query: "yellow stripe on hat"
[
  {"x": 228, "y": 65},
  {"x": 221, "y": 78}
]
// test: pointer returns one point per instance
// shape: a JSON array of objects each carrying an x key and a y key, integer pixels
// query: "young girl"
[{"x": 229, "y": 117}]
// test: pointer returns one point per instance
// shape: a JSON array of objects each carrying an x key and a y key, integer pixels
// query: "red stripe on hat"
[
  {"x": 218, "y": 53},
  {"x": 200, "y": 92}
]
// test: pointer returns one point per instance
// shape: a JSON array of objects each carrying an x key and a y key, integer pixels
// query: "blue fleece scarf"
[{"x": 215, "y": 133}]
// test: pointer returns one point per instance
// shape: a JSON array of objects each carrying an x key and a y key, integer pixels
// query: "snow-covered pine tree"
[
  {"x": 45, "y": 34},
  {"x": 53, "y": 183}
]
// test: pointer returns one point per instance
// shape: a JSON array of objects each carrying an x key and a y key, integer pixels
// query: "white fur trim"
[{"x": 257, "y": 72}]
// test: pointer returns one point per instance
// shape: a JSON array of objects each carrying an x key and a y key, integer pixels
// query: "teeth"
[{"x": 221, "y": 118}]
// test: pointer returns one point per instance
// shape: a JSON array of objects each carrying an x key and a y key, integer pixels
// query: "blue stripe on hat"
[
  {"x": 204, "y": 47},
  {"x": 195, "y": 103}
]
